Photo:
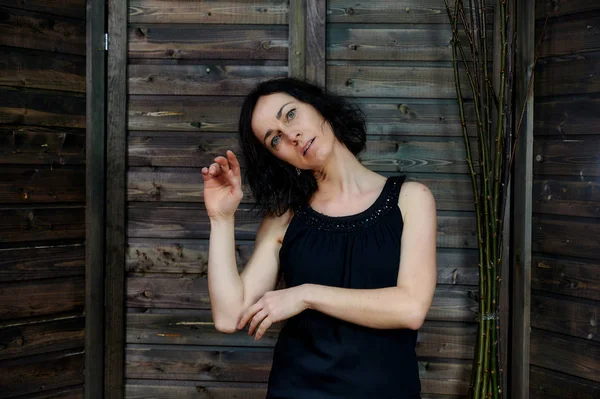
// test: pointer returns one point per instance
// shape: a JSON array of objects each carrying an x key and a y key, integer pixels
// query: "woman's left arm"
[{"x": 402, "y": 306}]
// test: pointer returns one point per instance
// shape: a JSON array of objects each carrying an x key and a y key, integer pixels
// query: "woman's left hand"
[{"x": 274, "y": 306}]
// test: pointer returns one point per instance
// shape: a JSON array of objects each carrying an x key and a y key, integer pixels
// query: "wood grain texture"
[
  {"x": 38, "y": 298},
  {"x": 404, "y": 43},
  {"x": 560, "y": 236},
  {"x": 385, "y": 81},
  {"x": 205, "y": 42},
  {"x": 23, "y": 185},
  {"x": 577, "y": 278},
  {"x": 315, "y": 36},
  {"x": 573, "y": 356},
  {"x": 573, "y": 115},
  {"x": 570, "y": 36},
  {"x": 554, "y": 8},
  {"x": 41, "y": 31},
  {"x": 391, "y": 11},
  {"x": 179, "y": 113},
  {"x": 548, "y": 384},
  {"x": 297, "y": 39},
  {"x": 565, "y": 316},
  {"x": 567, "y": 197},
  {"x": 382, "y": 155},
  {"x": 41, "y": 146},
  {"x": 66, "y": 8},
  {"x": 39, "y": 373},
  {"x": 41, "y": 108},
  {"x": 35, "y": 338},
  {"x": 579, "y": 76},
  {"x": 215, "y": 80},
  {"x": 38, "y": 263},
  {"x": 579, "y": 158},
  {"x": 209, "y": 12},
  {"x": 42, "y": 70},
  {"x": 146, "y": 389},
  {"x": 70, "y": 392},
  {"x": 24, "y": 225}
]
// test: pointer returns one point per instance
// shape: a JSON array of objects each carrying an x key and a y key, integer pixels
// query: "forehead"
[{"x": 266, "y": 109}]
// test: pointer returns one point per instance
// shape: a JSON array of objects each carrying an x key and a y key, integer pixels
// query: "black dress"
[{"x": 321, "y": 357}]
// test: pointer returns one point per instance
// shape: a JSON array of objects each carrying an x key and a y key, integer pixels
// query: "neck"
[{"x": 343, "y": 175}]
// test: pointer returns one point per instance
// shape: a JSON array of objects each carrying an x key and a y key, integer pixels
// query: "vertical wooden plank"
[
  {"x": 115, "y": 199},
  {"x": 316, "y": 13},
  {"x": 297, "y": 46},
  {"x": 523, "y": 202},
  {"x": 94, "y": 205}
]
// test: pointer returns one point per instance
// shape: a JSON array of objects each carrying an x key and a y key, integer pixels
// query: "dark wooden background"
[
  {"x": 565, "y": 270},
  {"x": 189, "y": 66},
  {"x": 42, "y": 198}
]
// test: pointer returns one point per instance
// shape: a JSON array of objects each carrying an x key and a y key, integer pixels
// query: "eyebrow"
[{"x": 278, "y": 117}]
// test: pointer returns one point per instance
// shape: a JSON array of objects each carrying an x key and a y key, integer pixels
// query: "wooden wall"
[
  {"x": 565, "y": 276},
  {"x": 42, "y": 198},
  {"x": 189, "y": 66}
]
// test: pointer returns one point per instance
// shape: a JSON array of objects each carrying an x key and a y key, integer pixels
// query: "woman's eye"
[
  {"x": 291, "y": 114},
  {"x": 275, "y": 141}
]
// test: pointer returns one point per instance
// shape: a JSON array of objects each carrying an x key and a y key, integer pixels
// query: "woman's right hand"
[{"x": 222, "y": 187}]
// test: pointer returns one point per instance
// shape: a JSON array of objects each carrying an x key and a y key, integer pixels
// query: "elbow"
[
  {"x": 226, "y": 327},
  {"x": 417, "y": 317}
]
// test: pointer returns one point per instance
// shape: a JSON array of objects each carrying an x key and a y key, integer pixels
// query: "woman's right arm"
[{"x": 231, "y": 293}]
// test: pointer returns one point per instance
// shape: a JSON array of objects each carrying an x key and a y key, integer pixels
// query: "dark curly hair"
[{"x": 275, "y": 184}]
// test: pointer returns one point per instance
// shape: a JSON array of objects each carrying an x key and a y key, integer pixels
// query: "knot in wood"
[
  {"x": 148, "y": 294},
  {"x": 350, "y": 11}
]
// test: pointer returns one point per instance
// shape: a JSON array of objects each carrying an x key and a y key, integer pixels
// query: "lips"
[{"x": 307, "y": 146}]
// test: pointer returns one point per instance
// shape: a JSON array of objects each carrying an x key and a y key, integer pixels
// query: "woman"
[{"x": 357, "y": 251}]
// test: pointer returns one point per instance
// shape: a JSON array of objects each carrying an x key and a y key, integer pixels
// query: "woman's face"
[{"x": 293, "y": 131}]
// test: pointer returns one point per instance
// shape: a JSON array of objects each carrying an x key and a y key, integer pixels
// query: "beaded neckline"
[{"x": 382, "y": 205}]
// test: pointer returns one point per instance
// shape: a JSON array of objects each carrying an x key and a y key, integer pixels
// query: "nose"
[{"x": 292, "y": 136}]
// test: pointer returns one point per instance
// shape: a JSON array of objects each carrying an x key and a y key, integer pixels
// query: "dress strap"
[{"x": 395, "y": 187}]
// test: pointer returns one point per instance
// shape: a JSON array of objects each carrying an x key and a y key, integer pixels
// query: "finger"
[
  {"x": 205, "y": 174},
  {"x": 264, "y": 326},
  {"x": 224, "y": 163},
  {"x": 248, "y": 314},
  {"x": 214, "y": 169},
  {"x": 233, "y": 163},
  {"x": 256, "y": 320}
]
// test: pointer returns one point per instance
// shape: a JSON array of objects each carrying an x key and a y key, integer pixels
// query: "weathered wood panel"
[
  {"x": 391, "y": 11},
  {"x": 559, "y": 236},
  {"x": 149, "y": 255},
  {"x": 566, "y": 316},
  {"x": 316, "y": 41},
  {"x": 571, "y": 356},
  {"x": 578, "y": 278},
  {"x": 579, "y": 76},
  {"x": 388, "y": 117},
  {"x": 209, "y": 12},
  {"x": 253, "y": 365},
  {"x": 158, "y": 184},
  {"x": 30, "y": 185},
  {"x": 38, "y": 263},
  {"x": 570, "y": 36},
  {"x": 41, "y": 32},
  {"x": 71, "y": 392},
  {"x": 567, "y": 116},
  {"x": 567, "y": 197},
  {"x": 67, "y": 8},
  {"x": 553, "y": 8},
  {"x": 32, "y": 224},
  {"x": 37, "y": 298},
  {"x": 386, "y": 81},
  {"x": 40, "y": 145},
  {"x": 154, "y": 389},
  {"x": 547, "y": 384},
  {"x": 567, "y": 157},
  {"x": 451, "y": 303},
  {"x": 380, "y": 155},
  {"x": 39, "y": 373},
  {"x": 41, "y": 108},
  {"x": 174, "y": 222},
  {"x": 209, "y": 80},
  {"x": 406, "y": 43},
  {"x": 197, "y": 42},
  {"x": 42, "y": 70},
  {"x": 34, "y": 338}
]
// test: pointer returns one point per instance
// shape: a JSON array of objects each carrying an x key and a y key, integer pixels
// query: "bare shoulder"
[{"x": 415, "y": 196}]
